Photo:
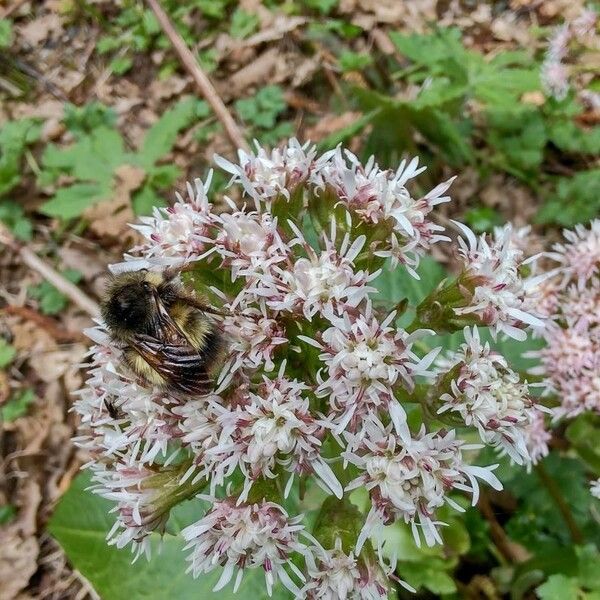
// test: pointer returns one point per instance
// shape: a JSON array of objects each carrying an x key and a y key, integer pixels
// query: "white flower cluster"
[
  {"x": 570, "y": 361},
  {"x": 314, "y": 381},
  {"x": 489, "y": 396}
]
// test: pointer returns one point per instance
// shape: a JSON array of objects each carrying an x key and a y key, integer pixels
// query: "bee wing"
[
  {"x": 165, "y": 328},
  {"x": 180, "y": 365}
]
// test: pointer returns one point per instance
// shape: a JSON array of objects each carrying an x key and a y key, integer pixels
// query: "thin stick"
[
  {"x": 54, "y": 328},
  {"x": 555, "y": 493},
  {"x": 11, "y": 9},
  {"x": 33, "y": 261},
  {"x": 511, "y": 551},
  {"x": 202, "y": 81}
]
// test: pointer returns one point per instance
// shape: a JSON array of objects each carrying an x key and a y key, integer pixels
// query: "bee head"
[{"x": 131, "y": 301}]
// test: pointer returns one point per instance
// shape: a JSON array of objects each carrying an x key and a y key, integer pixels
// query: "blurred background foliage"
[{"x": 99, "y": 123}]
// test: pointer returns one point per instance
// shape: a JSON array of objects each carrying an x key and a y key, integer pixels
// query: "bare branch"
[
  {"x": 33, "y": 261},
  {"x": 202, "y": 81}
]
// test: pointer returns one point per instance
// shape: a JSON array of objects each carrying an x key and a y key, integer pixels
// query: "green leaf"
[
  {"x": 15, "y": 136},
  {"x": 144, "y": 200},
  {"x": 17, "y": 405},
  {"x": 584, "y": 435},
  {"x": 577, "y": 199},
  {"x": 432, "y": 49},
  {"x": 6, "y": 33},
  {"x": 482, "y": 218},
  {"x": 70, "y": 202},
  {"x": 559, "y": 587},
  {"x": 13, "y": 216},
  {"x": 430, "y": 575},
  {"x": 85, "y": 119},
  {"x": 120, "y": 65},
  {"x": 588, "y": 561},
  {"x": 539, "y": 523},
  {"x": 7, "y": 513},
  {"x": 51, "y": 300},
  {"x": 80, "y": 524},
  {"x": 354, "y": 61},
  {"x": 323, "y": 6},
  {"x": 7, "y": 353},
  {"x": 160, "y": 138},
  {"x": 243, "y": 24},
  {"x": 263, "y": 109}
]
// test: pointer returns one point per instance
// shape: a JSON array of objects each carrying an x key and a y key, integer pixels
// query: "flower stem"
[{"x": 563, "y": 507}]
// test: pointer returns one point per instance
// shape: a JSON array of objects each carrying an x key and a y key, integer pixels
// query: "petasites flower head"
[
  {"x": 579, "y": 256},
  {"x": 311, "y": 373},
  {"x": 274, "y": 427},
  {"x": 245, "y": 536},
  {"x": 335, "y": 575},
  {"x": 174, "y": 235},
  {"x": 365, "y": 360},
  {"x": 408, "y": 477},
  {"x": 379, "y": 196},
  {"x": 489, "y": 396},
  {"x": 492, "y": 283},
  {"x": 264, "y": 175},
  {"x": 321, "y": 282}
]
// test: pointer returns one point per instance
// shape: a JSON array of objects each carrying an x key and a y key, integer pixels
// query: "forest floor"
[{"x": 84, "y": 82}]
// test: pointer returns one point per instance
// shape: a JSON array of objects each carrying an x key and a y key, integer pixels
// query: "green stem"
[{"x": 563, "y": 507}]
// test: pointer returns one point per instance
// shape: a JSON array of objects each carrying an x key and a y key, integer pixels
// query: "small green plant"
[
  {"x": 243, "y": 24},
  {"x": 261, "y": 113},
  {"x": 15, "y": 137},
  {"x": 17, "y": 405},
  {"x": 94, "y": 159},
  {"x": 7, "y": 513},
  {"x": 473, "y": 110},
  {"x": 7, "y": 353},
  {"x": 6, "y": 33},
  {"x": 51, "y": 301},
  {"x": 13, "y": 216}
]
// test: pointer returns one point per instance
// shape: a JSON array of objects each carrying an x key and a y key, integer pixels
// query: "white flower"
[
  {"x": 335, "y": 575},
  {"x": 254, "y": 338},
  {"x": 409, "y": 478},
  {"x": 322, "y": 282},
  {"x": 174, "y": 235},
  {"x": 499, "y": 293},
  {"x": 580, "y": 255},
  {"x": 377, "y": 195},
  {"x": 489, "y": 396},
  {"x": 365, "y": 360},
  {"x": 273, "y": 427},
  {"x": 595, "y": 488},
  {"x": 265, "y": 176},
  {"x": 246, "y": 536},
  {"x": 249, "y": 243}
]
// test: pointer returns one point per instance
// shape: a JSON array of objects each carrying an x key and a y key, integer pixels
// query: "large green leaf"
[
  {"x": 71, "y": 201},
  {"x": 160, "y": 138},
  {"x": 80, "y": 524}
]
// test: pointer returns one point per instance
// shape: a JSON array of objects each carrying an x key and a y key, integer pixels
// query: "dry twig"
[
  {"x": 11, "y": 9},
  {"x": 33, "y": 261},
  {"x": 204, "y": 84}
]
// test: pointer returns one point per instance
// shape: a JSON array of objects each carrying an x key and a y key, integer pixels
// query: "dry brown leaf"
[
  {"x": 18, "y": 562},
  {"x": 536, "y": 98},
  {"x": 111, "y": 218},
  {"x": 329, "y": 124},
  {"x": 38, "y": 29}
]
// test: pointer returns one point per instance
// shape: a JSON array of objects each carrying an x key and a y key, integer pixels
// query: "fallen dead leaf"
[
  {"x": 536, "y": 98},
  {"x": 18, "y": 562},
  {"x": 109, "y": 219},
  {"x": 39, "y": 29},
  {"x": 330, "y": 124}
]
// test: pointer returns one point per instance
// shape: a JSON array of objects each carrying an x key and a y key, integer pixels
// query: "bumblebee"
[{"x": 166, "y": 333}]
